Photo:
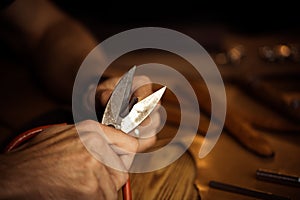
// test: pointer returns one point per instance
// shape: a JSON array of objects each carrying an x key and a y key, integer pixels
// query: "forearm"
[
  {"x": 56, "y": 44},
  {"x": 59, "y": 55},
  {"x": 23, "y": 22}
]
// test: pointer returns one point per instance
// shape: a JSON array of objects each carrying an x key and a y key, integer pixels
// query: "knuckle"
[
  {"x": 90, "y": 188},
  {"x": 120, "y": 179},
  {"x": 86, "y": 184},
  {"x": 152, "y": 140},
  {"x": 140, "y": 81},
  {"x": 90, "y": 162},
  {"x": 125, "y": 177},
  {"x": 144, "y": 79},
  {"x": 134, "y": 144},
  {"x": 88, "y": 122}
]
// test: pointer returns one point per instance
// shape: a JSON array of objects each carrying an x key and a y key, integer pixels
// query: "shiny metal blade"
[
  {"x": 119, "y": 100},
  {"x": 141, "y": 110}
]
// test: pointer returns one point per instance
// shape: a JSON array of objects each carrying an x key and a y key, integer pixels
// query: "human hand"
[
  {"x": 56, "y": 165},
  {"x": 141, "y": 88}
]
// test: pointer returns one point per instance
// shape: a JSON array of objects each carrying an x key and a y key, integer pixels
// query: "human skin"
[{"x": 55, "y": 164}]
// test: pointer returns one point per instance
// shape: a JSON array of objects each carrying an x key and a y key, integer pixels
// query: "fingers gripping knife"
[{"x": 119, "y": 114}]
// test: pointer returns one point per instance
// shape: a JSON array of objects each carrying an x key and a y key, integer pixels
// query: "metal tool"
[{"x": 119, "y": 114}]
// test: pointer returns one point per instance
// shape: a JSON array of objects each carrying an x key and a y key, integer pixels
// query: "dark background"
[{"x": 241, "y": 16}]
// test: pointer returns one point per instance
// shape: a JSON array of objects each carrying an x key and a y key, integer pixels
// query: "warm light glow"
[
  {"x": 284, "y": 51},
  {"x": 221, "y": 59}
]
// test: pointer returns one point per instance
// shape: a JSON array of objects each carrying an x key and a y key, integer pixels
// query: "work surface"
[
  {"x": 234, "y": 159},
  {"x": 261, "y": 126}
]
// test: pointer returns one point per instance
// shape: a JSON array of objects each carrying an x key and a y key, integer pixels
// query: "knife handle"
[{"x": 126, "y": 190}]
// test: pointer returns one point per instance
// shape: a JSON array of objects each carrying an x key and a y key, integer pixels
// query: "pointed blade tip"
[
  {"x": 161, "y": 91},
  {"x": 132, "y": 70}
]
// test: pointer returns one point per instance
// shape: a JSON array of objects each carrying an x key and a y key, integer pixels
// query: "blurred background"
[
  {"x": 248, "y": 17},
  {"x": 256, "y": 46}
]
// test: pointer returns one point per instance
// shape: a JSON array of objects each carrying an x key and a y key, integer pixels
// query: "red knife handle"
[
  {"x": 127, "y": 191},
  {"x": 25, "y": 136}
]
